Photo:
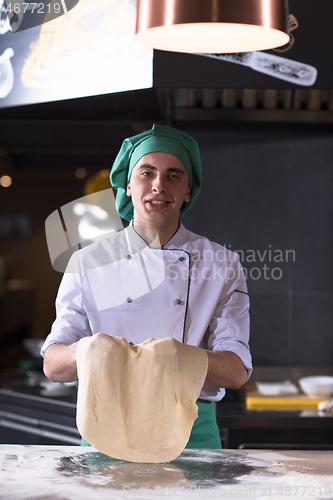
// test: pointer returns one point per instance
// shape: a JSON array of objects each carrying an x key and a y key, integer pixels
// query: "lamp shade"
[{"x": 212, "y": 26}]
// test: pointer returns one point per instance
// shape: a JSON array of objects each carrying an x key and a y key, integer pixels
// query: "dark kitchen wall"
[
  {"x": 27, "y": 306},
  {"x": 267, "y": 193}
]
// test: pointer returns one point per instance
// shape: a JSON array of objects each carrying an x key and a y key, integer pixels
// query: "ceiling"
[{"x": 87, "y": 133}]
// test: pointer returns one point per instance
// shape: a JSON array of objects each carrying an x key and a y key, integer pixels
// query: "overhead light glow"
[
  {"x": 214, "y": 26},
  {"x": 80, "y": 173},
  {"x": 5, "y": 181}
]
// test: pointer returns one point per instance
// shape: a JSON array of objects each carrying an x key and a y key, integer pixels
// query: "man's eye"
[
  {"x": 174, "y": 176},
  {"x": 145, "y": 174}
]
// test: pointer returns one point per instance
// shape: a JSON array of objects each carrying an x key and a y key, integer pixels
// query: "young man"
[{"x": 155, "y": 279}]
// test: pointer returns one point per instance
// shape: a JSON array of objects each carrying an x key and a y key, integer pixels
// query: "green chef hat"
[{"x": 158, "y": 139}]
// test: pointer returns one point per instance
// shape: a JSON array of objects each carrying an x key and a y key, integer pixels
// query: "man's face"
[{"x": 159, "y": 184}]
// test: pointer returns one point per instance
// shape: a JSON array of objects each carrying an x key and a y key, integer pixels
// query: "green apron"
[{"x": 205, "y": 432}]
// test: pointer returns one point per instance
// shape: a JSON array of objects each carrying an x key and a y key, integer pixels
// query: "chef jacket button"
[
  {"x": 182, "y": 259},
  {"x": 128, "y": 257},
  {"x": 128, "y": 299},
  {"x": 178, "y": 302}
]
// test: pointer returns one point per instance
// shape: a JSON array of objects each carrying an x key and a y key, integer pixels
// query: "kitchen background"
[
  {"x": 267, "y": 193},
  {"x": 267, "y": 154}
]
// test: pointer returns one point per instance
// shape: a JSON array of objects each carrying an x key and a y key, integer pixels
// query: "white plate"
[{"x": 276, "y": 388}]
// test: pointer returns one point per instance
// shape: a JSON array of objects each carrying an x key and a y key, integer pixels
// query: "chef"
[{"x": 156, "y": 279}]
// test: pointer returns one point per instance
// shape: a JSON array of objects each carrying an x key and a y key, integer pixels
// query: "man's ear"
[
  {"x": 188, "y": 195},
  {"x": 128, "y": 190}
]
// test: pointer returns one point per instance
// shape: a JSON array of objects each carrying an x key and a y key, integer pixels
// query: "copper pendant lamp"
[{"x": 212, "y": 26}]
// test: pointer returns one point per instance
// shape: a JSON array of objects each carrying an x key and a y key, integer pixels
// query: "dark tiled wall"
[{"x": 268, "y": 193}]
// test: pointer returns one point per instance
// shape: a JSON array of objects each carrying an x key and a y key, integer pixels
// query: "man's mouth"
[{"x": 156, "y": 202}]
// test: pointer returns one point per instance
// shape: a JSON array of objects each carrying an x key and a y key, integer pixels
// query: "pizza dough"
[{"x": 138, "y": 403}]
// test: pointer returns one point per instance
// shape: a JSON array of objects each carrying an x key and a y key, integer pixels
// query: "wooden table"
[{"x": 74, "y": 472}]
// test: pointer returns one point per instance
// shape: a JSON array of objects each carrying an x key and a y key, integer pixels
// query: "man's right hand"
[{"x": 60, "y": 362}]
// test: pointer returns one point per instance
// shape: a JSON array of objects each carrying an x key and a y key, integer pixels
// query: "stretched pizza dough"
[{"x": 138, "y": 403}]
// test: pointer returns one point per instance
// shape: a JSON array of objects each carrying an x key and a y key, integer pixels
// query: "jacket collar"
[{"x": 176, "y": 240}]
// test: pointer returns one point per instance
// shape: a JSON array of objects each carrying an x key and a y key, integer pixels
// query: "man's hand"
[
  {"x": 225, "y": 369},
  {"x": 60, "y": 362}
]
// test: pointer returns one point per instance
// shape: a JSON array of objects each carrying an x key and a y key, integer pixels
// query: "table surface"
[{"x": 74, "y": 472}]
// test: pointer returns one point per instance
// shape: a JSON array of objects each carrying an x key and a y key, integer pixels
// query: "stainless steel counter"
[
  {"x": 74, "y": 472},
  {"x": 30, "y": 414},
  {"x": 278, "y": 429}
]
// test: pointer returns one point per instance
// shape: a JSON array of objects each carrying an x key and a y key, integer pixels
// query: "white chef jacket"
[{"x": 191, "y": 289}]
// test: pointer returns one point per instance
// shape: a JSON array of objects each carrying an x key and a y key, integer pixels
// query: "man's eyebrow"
[
  {"x": 168, "y": 170},
  {"x": 147, "y": 165},
  {"x": 176, "y": 169}
]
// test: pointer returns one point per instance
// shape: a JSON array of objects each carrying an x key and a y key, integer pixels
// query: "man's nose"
[{"x": 158, "y": 185}]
